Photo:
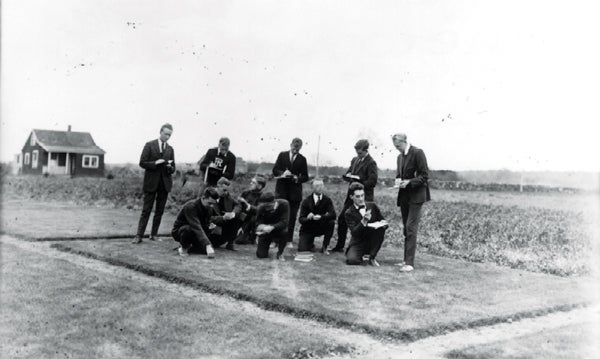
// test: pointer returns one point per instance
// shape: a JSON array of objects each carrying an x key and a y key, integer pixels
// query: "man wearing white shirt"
[
  {"x": 158, "y": 161},
  {"x": 367, "y": 227},
  {"x": 317, "y": 218}
]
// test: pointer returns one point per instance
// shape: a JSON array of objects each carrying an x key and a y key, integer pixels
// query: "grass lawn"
[
  {"x": 53, "y": 308},
  {"x": 441, "y": 294},
  {"x": 570, "y": 341},
  {"x": 51, "y": 220}
]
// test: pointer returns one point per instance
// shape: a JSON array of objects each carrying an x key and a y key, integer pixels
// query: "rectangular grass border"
[{"x": 405, "y": 336}]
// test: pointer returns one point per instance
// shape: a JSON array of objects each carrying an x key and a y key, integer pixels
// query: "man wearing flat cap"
[
  {"x": 363, "y": 169},
  {"x": 217, "y": 162},
  {"x": 271, "y": 224},
  {"x": 291, "y": 171}
]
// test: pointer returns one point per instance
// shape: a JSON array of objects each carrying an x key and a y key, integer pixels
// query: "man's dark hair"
[
  {"x": 362, "y": 144},
  {"x": 356, "y": 186},
  {"x": 266, "y": 197},
  {"x": 261, "y": 180},
  {"x": 166, "y": 125},
  {"x": 210, "y": 192}
]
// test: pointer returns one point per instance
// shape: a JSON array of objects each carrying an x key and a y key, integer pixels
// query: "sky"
[{"x": 477, "y": 85}]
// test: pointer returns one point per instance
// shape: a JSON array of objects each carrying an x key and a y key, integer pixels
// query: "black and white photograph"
[{"x": 299, "y": 179}]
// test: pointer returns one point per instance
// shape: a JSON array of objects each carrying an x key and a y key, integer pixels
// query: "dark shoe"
[
  {"x": 152, "y": 238},
  {"x": 230, "y": 247},
  {"x": 137, "y": 240}
]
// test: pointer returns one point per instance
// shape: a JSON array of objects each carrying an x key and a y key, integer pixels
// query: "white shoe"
[
  {"x": 400, "y": 264},
  {"x": 182, "y": 252},
  {"x": 210, "y": 252},
  {"x": 407, "y": 268},
  {"x": 290, "y": 245}
]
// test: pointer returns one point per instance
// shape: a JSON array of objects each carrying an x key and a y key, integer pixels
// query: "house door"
[{"x": 72, "y": 164}]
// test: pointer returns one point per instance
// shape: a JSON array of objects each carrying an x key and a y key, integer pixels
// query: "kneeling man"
[
  {"x": 272, "y": 224},
  {"x": 193, "y": 223},
  {"x": 367, "y": 227},
  {"x": 317, "y": 218}
]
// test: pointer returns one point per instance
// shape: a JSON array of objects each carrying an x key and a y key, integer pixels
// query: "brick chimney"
[{"x": 69, "y": 128}]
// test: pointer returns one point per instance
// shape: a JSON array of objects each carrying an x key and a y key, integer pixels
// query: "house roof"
[{"x": 67, "y": 141}]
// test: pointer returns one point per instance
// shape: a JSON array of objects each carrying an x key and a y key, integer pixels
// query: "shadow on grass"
[{"x": 407, "y": 335}]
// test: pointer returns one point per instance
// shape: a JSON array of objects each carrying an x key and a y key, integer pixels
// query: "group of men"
[{"x": 268, "y": 219}]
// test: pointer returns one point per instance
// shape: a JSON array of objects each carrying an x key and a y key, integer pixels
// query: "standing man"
[
  {"x": 291, "y": 171},
  {"x": 367, "y": 227},
  {"x": 193, "y": 223},
  {"x": 158, "y": 160},
  {"x": 217, "y": 162},
  {"x": 317, "y": 218},
  {"x": 411, "y": 179},
  {"x": 363, "y": 169},
  {"x": 272, "y": 224}
]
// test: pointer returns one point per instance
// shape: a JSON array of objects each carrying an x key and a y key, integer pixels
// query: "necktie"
[
  {"x": 318, "y": 201},
  {"x": 358, "y": 160},
  {"x": 163, "y": 147}
]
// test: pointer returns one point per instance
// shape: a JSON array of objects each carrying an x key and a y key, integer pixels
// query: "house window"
[
  {"x": 34, "y": 159},
  {"x": 90, "y": 161},
  {"x": 32, "y": 140},
  {"x": 26, "y": 159}
]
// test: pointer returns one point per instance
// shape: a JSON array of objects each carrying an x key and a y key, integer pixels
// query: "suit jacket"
[
  {"x": 367, "y": 171},
  {"x": 226, "y": 203},
  {"x": 414, "y": 169},
  {"x": 324, "y": 208},
  {"x": 354, "y": 220},
  {"x": 195, "y": 215},
  {"x": 278, "y": 218},
  {"x": 288, "y": 188},
  {"x": 225, "y": 164},
  {"x": 154, "y": 173}
]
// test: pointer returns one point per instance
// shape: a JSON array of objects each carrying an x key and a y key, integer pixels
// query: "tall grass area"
[{"x": 527, "y": 237}]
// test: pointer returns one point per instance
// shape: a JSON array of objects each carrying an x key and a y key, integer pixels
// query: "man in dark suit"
[
  {"x": 249, "y": 201},
  {"x": 158, "y": 160},
  {"x": 291, "y": 171},
  {"x": 413, "y": 191},
  {"x": 226, "y": 216},
  {"x": 217, "y": 162},
  {"x": 193, "y": 224},
  {"x": 363, "y": 169},
  {"x": 271, "y": 224},
  {"x": 367, "y": 227},
  {"x": 317, "y": 218}
]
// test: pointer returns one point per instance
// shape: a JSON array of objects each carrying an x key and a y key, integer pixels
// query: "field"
[{"x": 549, "y": 232}]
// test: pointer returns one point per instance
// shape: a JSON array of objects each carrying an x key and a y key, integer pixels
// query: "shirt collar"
[
  {"x": 406, "y": 149},
  {"x": 317, "y": 196}
]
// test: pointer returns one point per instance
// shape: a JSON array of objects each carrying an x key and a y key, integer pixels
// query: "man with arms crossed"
[
  {"x": 291, "y": 170},
  {"x": 158, "y": 161},
  {"x": 411, "y": 179},
  {"x": 363, "y": 169},
  {"x": 193, "y": 223},
  {"x": 367, "y": 227},
  {"x": 317, "y": 218}
]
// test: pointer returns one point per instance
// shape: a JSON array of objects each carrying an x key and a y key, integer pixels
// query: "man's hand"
[
  {"x": 404, "y": 183},
  {"x": 229, "y": 215},
  {"x": 317, "y": 217},
  {"x": 286, "y": 173},
  {"x": 310, "y": 216},
  {"x": 159, "y": 161},
  {"x": 212, "y": 226},
  {"x": 213, "y": 165},
  {"x": 367, "y": 215},
  {"x": 268, "y": 228}
]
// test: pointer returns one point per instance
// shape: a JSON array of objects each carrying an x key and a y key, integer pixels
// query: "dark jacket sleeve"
[
  {"x": 206, "y": 160},
  {"x": 371, "y": 179},
  {"x": 304, "y": 211},
  {"x": 376, "y": 215},
  {"x": 284, "y": 217},
  {"x": 303, "y": 174},
  {"x": 354, "y": 224},
  {"x": 191, "y": 216},
  {"x": 330, "y": 215},
  {"x": 422, "y": 171},
  {"x": 145, "y": 159},
  {"x": 278, "y": 168},
  {"x": 172, "y": 159},
  {"x": 230, "y": 170},
  {"x": 349, "y": 171}
]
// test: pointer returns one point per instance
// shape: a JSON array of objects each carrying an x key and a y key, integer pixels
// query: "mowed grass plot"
[
  {"x": 56, "y": 220},
  {"x": 440, "y": 295},
  {"x": 569, "y": 341},
  {"x": 52, "y": 308}
]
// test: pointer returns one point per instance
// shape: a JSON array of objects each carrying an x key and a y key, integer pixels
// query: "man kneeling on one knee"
[
  {"x": 317, "y": 218},
  {"x": 271, "y": 224},
  {"x": 367, "y": 227},
  {"x": 193, "y": 223}
]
